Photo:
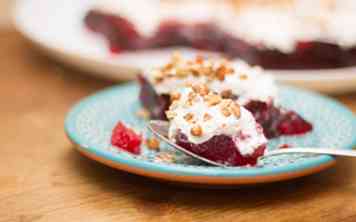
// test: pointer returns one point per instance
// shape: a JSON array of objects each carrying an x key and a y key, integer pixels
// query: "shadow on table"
[{"x": 151, "y": 195}]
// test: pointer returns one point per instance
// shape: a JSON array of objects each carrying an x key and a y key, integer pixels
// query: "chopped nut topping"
[
  {"x": 188, "y": 104},
  {"x": 190, "y": 63},
  {"x": 236, "y": 110},
  {"x": 225, "y": 111},
  {"x": 168, "y": 67},
  {"x": 212, "y": 99},
  {"x": 192, "y": 95},
  {"x": 174, "y": 105},
  {"x": 207, "y": 71},
  {"x": 196, "y": 131},
  {"x": 143, "y": 113},
  {"x": 188, "y": 84},
  {"x": 222, "y": 71},
  {"x": 196, "y": 88},
  {"x": 226, "y": 94},
  {"x": 243, "y": 77},
  {"x": 165, "y": 157},
  {"x": 199, "y": 59},
  {"x": 189, "y": 117},
  {"x": 207, "y": 117},
  {"x": 175, "y": 96},
  {"x": 170, "y": 114},
  {"x": 158, "y": 78},
  {"x": 195, "y": 72},
  {"x": 180, "y": 68},
  {"x": 181, "y": 73},
  {"x": 176, "y": 57},
  {"x": 191, "y": 98},
  {"x": 152, "y": 144},
  {"x": 201, "y": 89}
]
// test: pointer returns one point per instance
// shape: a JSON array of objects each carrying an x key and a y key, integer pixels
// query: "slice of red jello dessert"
[
  {"x": 215, "y": 128},
  {"x": 249, "y": 86}
]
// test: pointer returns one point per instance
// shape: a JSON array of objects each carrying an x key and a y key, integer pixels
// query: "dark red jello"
[
  {"x": 275, "y": 121},
  {"x": 125, "y": 138},
  {"x": 122, "y": 35},
  {"x": 221, "y": 149}
]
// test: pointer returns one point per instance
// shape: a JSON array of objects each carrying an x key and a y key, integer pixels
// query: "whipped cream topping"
[
  {"x": 269, "y": 25},
  {"x": 246, "y": 82},
  {"x": 200, "y": 119},
  {"x": 282, "y": 26}
]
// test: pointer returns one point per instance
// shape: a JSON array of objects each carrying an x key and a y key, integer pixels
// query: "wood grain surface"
[{"x": 42, "y": 178}]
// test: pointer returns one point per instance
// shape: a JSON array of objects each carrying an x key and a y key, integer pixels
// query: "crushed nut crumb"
[
  {"x": 196, "y": 131},
  {"x": 170, "y": 114},
  {"x": 180, "y": 68},
  {"x": 226, "y": 94},
  {"x": 212, "y": 99},
  {"x": 207, "y": 117},
  {"x": 201, "y": 89},
  {"x": 143, "y": 113},
  {"x": 188, "y": 117},
  {"x": 152, "y": 144},
  {"x": 181, "y": 73},
  {"x": 199, "y": 59},
  {"x": 225, "y": 111},
  {"x": 243, "y": 77},
  {"x": 165, "y": 157},
  {"x": 175, "y": 96},
  {"x": 235, "y": 108}
]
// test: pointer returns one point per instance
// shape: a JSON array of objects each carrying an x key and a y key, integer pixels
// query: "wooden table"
[{"x": 42, "y": 178}]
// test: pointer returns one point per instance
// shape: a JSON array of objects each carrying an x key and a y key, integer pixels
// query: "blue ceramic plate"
[{"x": 91, "y": 121}]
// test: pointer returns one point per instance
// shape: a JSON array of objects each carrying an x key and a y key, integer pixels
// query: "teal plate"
[{"x": 90, "y": 122}]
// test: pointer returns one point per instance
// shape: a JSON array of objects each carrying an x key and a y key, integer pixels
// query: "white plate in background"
[{"x": 57, "y": 28}]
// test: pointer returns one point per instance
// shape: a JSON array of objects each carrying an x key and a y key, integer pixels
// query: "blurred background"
[
  {"x": 5, "y": 12},
  {"x": 42, "y": 178}
]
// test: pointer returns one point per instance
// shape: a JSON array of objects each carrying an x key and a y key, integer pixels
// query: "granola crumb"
[
  {"x": 196, "y": 131},
  {"x": 213, "y": 99},
  {"x": 165, "y": 157},
  {"x": 207, "y": 117},
  {"x": 236, "y": 110},
  {"x": 143, "y": 113},
  {"x": 175, "y": 96},
  {"x": 153, "y": 144},
  {"x": 226, "y": 94}
]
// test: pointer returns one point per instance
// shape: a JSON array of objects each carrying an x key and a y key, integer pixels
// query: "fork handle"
[{"x": 307, "y": 150}]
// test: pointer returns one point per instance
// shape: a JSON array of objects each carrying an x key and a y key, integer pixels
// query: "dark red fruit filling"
[
  {"x": 274, "y": 120},
  {"x": 221, "y": 149},
  {"x": 122, "y": 35},
  {"x": 125, "y": 138}
]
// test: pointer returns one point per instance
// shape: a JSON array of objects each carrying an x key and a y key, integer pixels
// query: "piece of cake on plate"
[
  {"x": 247, "y": 85},
  {"x": 215, "y": 128}
]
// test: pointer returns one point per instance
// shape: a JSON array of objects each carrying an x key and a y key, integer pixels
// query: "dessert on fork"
[{"x": 218, "y": 129}]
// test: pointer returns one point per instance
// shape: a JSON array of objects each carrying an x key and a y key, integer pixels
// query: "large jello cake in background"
[{"x": 275, "y": 34}]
